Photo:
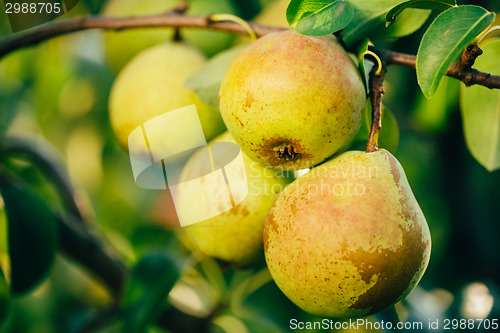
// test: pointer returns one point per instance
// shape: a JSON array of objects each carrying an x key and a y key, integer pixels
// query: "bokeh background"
[{"x": 56, "y": 94}]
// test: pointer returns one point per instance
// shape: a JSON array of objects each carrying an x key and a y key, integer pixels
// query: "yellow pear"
[
  {"x": 348, "y": 238},
  {"x": 152, "y": 84},
  {"x": 236, "y": 235},
  {"x": 292, "y": 101},
  {"x": 121, "y": 46}
]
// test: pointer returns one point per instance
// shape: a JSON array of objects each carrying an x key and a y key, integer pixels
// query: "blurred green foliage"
[
  {"x": 58, "y": 91},
  {"x": 35, "y": 226}
]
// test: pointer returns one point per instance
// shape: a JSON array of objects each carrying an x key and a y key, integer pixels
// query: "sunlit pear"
[
  {"x": 236, "y": 235},
  {"x": 348, "y": 239},
  {"x": 292, "y": 101}
]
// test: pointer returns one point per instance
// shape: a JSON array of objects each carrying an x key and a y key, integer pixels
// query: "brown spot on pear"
[
  {"x": 294, "y": 89},
  {"x": 348, "y": 239}
]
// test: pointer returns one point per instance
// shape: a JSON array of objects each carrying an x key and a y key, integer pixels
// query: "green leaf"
[
  {"x": 407, "y": 23},
  {"x": 229, "y": 323},
  {"x": 6, "y": 117},
  {"x": 3, "y": 232},
  {"x": 369, "y": 21},
  {"x": 206, "y": 82},
  {"x": 4, "y": 299},
  {"x": 445, "y": 40},
  {"x": 319, "y": 18},
  {"x": 31, "y": 236},
  {"x": 481, "y": 111},
  {"x": 420, "y": 4},
  {"x": 389, "y": 134},
  {"x": 247, "y": 320},
  {"x": 148, "y": 287}
]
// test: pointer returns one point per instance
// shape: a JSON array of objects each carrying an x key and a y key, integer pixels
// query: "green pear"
[
  {"x": 152, "y": 84},
  {"x": 121, "y": 46},
  {"x": 348, "y": 238},
  {"x": 292, "y": 101},
  {"x": 236, "y": 235}
]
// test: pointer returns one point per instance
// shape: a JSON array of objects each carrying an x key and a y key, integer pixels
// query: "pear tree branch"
[
  {"x": 461, "y": 70},
  {"x": 170, "y": 19}
]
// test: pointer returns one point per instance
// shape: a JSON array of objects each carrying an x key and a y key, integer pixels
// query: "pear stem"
[
  {"x": 180, "y": 10},
  {"x": 376, "y": 86},
  {"x": 235, "y": 19},
  {"x": 177, "y": 35}
]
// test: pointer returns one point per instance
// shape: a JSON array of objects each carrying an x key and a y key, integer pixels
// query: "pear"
[
  {"x": 348, "y": 238},
  {"x": 236, "y": 235},
  {"x": 152, "y": 84},
  {"x": 292, "y": 101},
  {"x": 122, "y": 46}
]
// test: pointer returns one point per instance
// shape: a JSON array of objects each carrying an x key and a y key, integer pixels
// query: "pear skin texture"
[
  {"x": 153, "y": 84},
  {"x": 348, "y": 239},
  {"x": 287, "y": 90},
  {"x": 236, "y": 235}
]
